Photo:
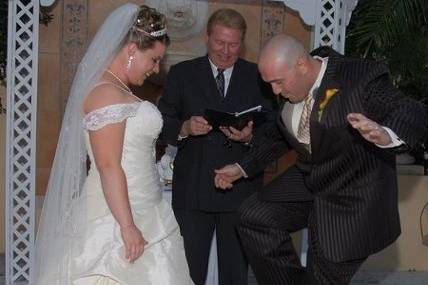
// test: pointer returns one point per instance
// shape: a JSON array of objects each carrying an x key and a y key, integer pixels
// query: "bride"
[{"x": 111, "y": 225}]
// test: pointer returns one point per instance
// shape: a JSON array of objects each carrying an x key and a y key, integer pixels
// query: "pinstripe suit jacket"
[{"x": 352, "y": 181}]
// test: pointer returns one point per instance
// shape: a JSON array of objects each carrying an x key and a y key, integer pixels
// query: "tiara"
[{"x": 154, "y": 34}]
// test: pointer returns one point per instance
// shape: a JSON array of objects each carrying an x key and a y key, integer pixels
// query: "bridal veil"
[{"x": 63, "y": 209}]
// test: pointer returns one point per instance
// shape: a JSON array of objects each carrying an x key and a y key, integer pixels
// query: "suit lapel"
[
  {"x": 233, "y": 89},
  {"x": 328, "y": 82},
  {"x": 205, "y": 78}
]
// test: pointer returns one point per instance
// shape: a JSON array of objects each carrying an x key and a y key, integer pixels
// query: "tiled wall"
[
  {"x": 49, "y": 110},
  {"x": 58, "y": 59},
  {"x": 2, "y": 170},
  {"x": 63, "y": 42}
]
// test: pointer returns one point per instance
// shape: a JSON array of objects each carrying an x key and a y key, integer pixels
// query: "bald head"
[
  {"x": 288, "y": 67},
  {"x": 282, "y": 49}
]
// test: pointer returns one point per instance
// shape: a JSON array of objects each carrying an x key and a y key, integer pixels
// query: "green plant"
[
  {"x": 396, "y": 32},
  {"x": 44, "y": 18}
]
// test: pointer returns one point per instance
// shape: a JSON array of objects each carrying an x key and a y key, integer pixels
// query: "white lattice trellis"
[
  {"x": 21, "y": 137},
  {"x": 329, "y": 19},
  {"x": 330, "y": 25}
]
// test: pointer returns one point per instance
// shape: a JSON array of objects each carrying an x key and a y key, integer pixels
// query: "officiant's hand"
[
  {"x": 134, "y": 242},
  {"x": 245, "y": 135},
  {"x": 225, "y": 176},
  {"x": 195, "y": 126}
]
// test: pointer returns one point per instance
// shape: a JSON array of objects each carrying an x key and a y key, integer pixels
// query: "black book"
[{"x": 238, "y": 120}]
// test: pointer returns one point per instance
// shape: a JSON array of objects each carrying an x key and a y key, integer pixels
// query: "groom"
[
  {"x": 223, "y": 81},
  {"x": 346, "y": 120}
]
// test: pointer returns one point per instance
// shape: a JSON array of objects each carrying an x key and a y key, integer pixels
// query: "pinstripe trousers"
[{"x": 265, "y": 229}]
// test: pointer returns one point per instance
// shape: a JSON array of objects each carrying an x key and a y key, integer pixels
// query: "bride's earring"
[{"x": 130, "y": 59}]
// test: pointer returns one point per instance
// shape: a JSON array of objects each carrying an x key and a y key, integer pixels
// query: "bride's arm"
[
  {"x": 107, "y": 144},
  {"x": 107, "y": 148}
]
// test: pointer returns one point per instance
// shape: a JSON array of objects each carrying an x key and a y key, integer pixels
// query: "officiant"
[{"x": 221, "y": 80}]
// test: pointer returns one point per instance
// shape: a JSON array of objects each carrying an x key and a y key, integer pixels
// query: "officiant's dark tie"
[{"x": 219, "y": 79}]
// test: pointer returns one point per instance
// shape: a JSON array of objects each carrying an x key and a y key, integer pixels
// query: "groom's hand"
[
  {"x": 370, "y": 130},
  {"x": 195, "y": 126},
  {"x": 225, "y": 176},
  {"x": 245, "y": 135}
]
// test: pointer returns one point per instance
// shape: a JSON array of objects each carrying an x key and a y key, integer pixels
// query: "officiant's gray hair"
[{"x": 229, "y": 18}]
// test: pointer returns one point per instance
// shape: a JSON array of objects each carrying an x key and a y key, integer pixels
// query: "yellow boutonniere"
[{"x": 329, "y": 93}]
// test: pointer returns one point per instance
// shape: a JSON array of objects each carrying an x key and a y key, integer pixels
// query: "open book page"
[{"x": 256, "y": 108}]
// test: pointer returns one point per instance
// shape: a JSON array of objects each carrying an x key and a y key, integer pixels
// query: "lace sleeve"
[{"x": 101, "y": 117}]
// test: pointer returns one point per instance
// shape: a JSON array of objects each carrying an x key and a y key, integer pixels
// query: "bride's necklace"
[{"x": 125, "y": 87}]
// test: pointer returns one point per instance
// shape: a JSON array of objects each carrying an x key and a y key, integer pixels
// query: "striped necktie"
[
  {"x": 219, "y": 80},
  {"x": 303, "y": 131}
]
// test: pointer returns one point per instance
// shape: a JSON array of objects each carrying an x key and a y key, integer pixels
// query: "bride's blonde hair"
[{"x": 148, "y": 28}]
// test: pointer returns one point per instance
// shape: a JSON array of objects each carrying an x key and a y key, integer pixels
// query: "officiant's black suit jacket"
[
  {"x": 352, "y": 181},
  {"x": 190, "y": 89}
]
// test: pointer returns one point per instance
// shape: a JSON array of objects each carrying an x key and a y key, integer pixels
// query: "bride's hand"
[{"x": 134, "y": 242}]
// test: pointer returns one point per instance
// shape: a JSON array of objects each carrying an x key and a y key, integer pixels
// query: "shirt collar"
[
  {"x": 317, "y": 83},
  {"x": 227, "y": 71}
]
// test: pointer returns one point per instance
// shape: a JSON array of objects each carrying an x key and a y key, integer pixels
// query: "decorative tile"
[
  {"x": 273, "y": 19},
  {"x": 74, "y": 41}
]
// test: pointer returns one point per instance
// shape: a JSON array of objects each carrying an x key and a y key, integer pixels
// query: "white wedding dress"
[{"x": 102, "y": 259}]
